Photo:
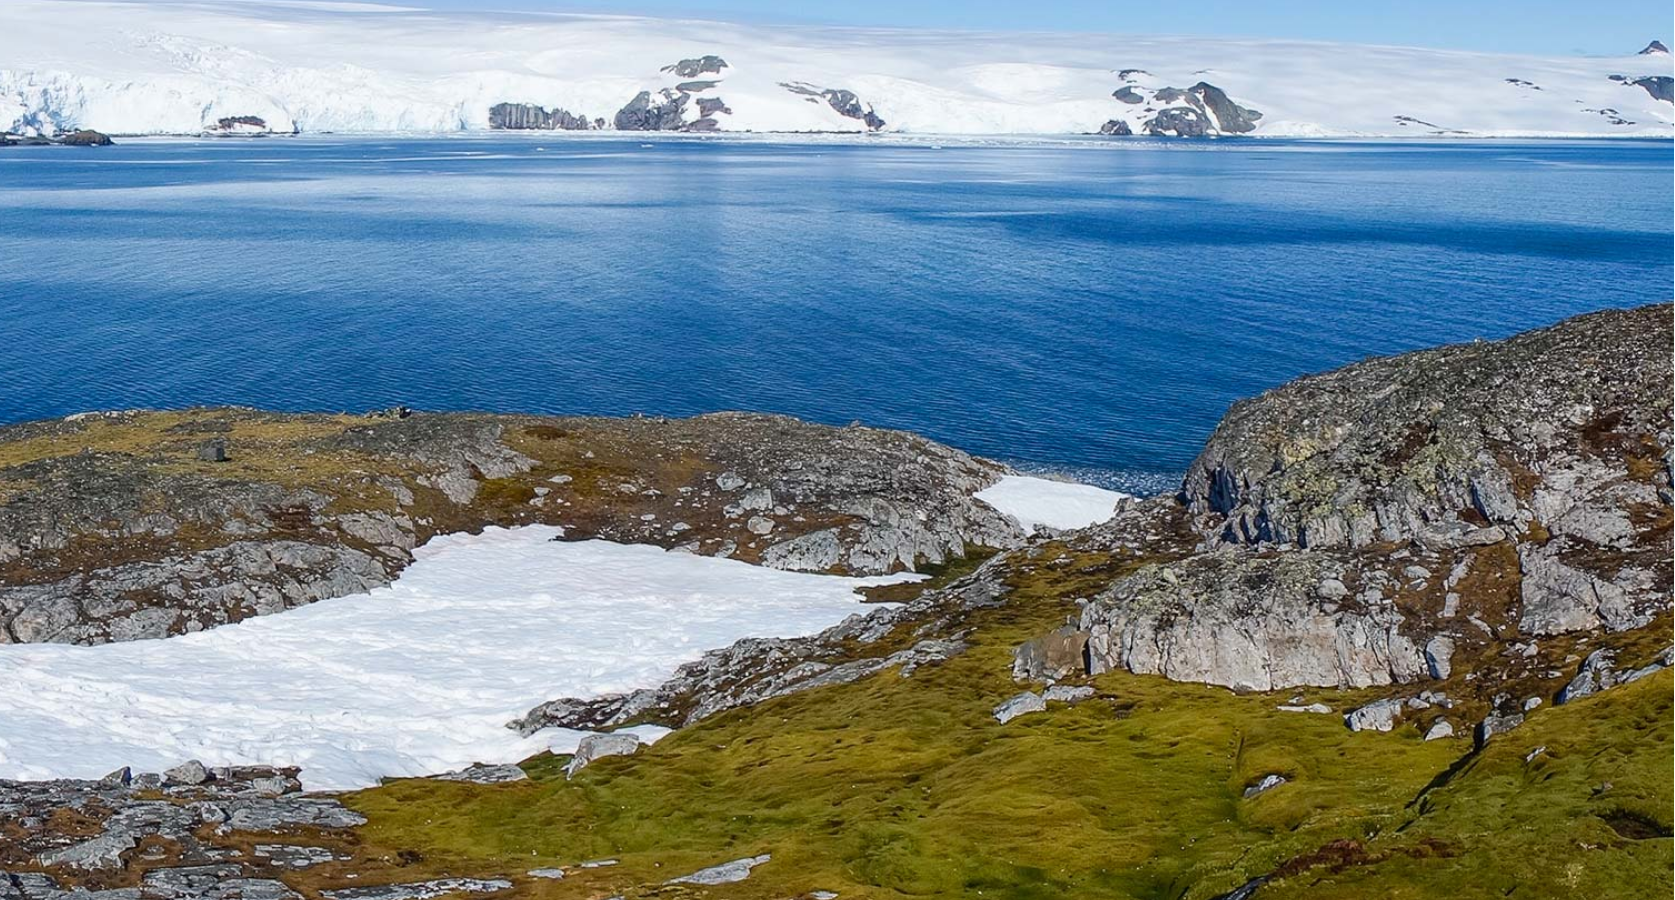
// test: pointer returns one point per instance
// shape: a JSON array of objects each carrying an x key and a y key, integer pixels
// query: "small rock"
[
  {"x": 1530, "y": 756},
  {"x": 1022, "y": 704},
  {"x": 421, "y": 890},
  {"x": 1497, "y": 723},
  {"x": 1067, "y": 693},
  {"x": 275, "y": 785},
  {"x": 729, "y": 481},
  {"x": 726, "y": 873},
  {"x": 481, "y": 774},
  {"x": 596, "y": 746},
  {"x": 290, "y": 856},
  {"x": 759, "y": 525},
  {"x": 102, "y": 852},
  {"x": 554, "y": 874},
  {"x": 1531, "y": 703},
  {"x": 598, "y": 863},
  {"x": 123, "y": 777},
  {"x": 1380, "y": 715},
  {"x": 1268, "y": 783},
  {"x": 1311, "y": 708},
  {"x": 1439, "y": 729}
]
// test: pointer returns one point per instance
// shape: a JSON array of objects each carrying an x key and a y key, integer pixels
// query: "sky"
[{"x": 1543, "y": 27}]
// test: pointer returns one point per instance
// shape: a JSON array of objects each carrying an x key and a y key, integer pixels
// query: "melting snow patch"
[
  {"x": 416, "y": 678},
  {"x": 1034, "y": 502}
]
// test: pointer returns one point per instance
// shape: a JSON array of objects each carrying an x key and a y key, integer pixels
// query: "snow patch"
[
  {"x": 416, "y": 678},
  {"x": 1034, "y": 502}
]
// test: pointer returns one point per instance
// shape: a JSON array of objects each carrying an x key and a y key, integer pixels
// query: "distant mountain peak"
[{"x": 1655, "y": 48}]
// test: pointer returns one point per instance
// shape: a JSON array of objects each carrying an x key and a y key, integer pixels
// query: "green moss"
[{"x": 908, "y": 787}]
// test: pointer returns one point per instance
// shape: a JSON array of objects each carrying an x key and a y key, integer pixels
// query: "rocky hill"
[
  {"x": 1405, "y": 631},
  {"x": 122, "y": 526}
]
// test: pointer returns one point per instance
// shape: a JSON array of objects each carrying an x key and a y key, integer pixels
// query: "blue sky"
[{"x": 1611, "y": 27}]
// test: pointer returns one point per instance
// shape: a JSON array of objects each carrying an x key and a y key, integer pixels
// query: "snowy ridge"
[{"x": 177, "y": 67}]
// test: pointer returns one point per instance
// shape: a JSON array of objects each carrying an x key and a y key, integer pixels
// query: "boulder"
[
  {"x": 598, "y": 746},
  {"x": 1439, "y": 654},
  {"x": 1019, "y": 705},
  {"x": 1380, "y": 715},
  {"x": 187, "y": 773},
  {"x": 1052, "y": 656},
  {"x": 1497, "y": 723},
  {"x": 1067, "y": 693}
]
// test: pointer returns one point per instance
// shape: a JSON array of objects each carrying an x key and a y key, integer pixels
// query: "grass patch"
[{"x": 907, "y": 787}]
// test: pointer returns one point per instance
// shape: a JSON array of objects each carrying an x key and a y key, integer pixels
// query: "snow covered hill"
[{"x": 179, "y": 67}]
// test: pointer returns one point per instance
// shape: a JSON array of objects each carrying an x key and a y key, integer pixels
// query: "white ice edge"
[
  {"x": 416, "y": 678},
  {"x": 1033, "y": 502}
]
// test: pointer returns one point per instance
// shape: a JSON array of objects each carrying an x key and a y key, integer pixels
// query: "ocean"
[{"x": 1076, "y": 306}]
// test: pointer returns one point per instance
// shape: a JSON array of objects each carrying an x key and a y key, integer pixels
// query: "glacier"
[{"x": 187, "y": 67}]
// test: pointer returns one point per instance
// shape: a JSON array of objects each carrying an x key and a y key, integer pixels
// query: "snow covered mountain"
[{"x": 185, "y": 67}]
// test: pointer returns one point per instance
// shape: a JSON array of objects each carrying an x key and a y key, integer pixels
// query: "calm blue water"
[{"x": 1074, "y": 306}]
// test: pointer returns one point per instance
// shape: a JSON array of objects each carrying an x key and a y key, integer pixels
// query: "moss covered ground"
[{"x": 907, "y": 787}]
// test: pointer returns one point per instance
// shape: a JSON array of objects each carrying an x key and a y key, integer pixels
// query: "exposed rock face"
[
  {"x": 664, "y": 111},
  {"x": 1599, "y": 672},
  {"x": 1365, "y": 526},
  {"x": 1661, "y": 87},
  {"x": 86, "y": 138},
  {"x": 844, "y": 102},
  {"x": 114, "y": 528},
  {"x": 1230, "y": 117},
  {"x": 1179, "y": 122},
  {"x": 530, "y": 117},
  {"x": 1543, "y": 428},
  {"x": 1202, "y": 110},
  {"x": 248, "y": 125},
  {"x": 1655, "y": 48},
  {"x": 1249, "y": 623},
  {"x": 692, "y": 68}
]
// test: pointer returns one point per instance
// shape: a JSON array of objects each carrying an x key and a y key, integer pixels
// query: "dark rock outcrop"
[
  {"x": 86, "y": 137},
  {"x": 692, "y": 68},
  {"x": 530, "y": 117},
  {"x": 1230, "y": 117},
  {"x": 844, "y": 102},
  {"x": 1655, "y": 48},
  {"x": 663, "y": 111},
  {"x": 1661, "y": 87},
  {"x": 1178, "y": 122},
  {"x": 1202, "y": 110}
]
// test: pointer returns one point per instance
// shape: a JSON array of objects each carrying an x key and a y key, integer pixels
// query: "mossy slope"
[{"x": 898, "y": 787}]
